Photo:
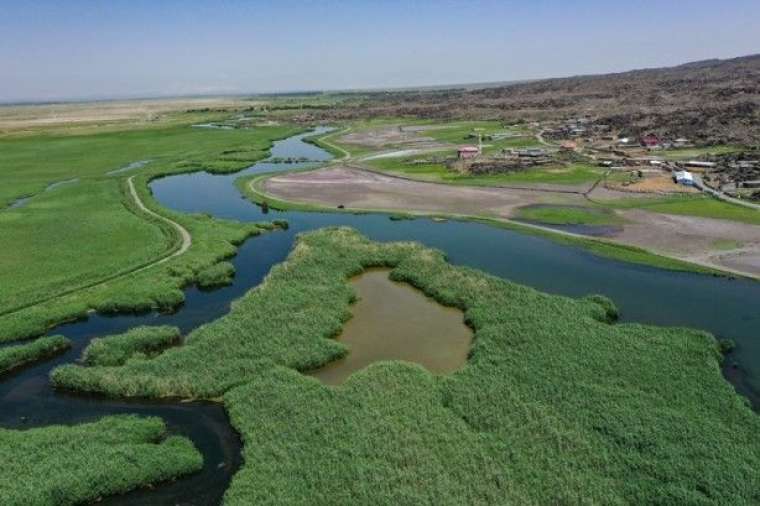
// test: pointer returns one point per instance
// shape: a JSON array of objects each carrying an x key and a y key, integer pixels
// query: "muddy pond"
[
  {"x": 728, "y": 308},
  {"x": 394, "y": 321}
]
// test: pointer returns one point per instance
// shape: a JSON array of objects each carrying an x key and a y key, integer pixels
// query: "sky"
[{"x": 79, "y": 49}]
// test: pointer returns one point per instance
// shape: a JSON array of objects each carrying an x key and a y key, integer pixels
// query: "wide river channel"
[{"x": 729, "y": 308}]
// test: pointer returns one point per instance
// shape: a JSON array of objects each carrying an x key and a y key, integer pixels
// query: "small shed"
[
  {"x": 467, "y": 152},
  {"x": 683, "y": 177},
  {"x": 700, "y": 164},
  {"x": 568, "y": 146}
]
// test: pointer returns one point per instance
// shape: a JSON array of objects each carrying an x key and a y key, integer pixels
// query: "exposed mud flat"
[
  {"x": 359, "y": 189},
  {"x": 685, "y": 237},
  {"x": 407, "y": 136},
  {"x": 695, "y": 238}
]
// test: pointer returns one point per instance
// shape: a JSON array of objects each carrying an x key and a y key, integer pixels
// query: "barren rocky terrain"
[{"x": 711, "y": 101}]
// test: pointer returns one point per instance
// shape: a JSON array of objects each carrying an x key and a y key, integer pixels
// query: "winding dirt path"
[{"x": 187, "y": 239}]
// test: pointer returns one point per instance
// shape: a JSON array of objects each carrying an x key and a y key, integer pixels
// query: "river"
[{"x": 727, "y": 307}]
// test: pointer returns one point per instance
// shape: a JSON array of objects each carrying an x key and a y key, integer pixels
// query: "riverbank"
[
  {"x": 256, "y": 189},
  {"x": 122, "y": 251}
]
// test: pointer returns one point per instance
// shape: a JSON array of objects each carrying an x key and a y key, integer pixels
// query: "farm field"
[
  {"x": 696, "y": 152},
  {"x": 451, "y": 431}
]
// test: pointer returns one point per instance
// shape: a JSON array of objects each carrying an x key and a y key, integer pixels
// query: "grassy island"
[
  {"x": 556, "y": 404},
  {"x": 110, "y": 456}
]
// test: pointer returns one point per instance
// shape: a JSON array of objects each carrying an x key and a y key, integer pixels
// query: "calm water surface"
[
  {"x": 394, "y": 321},
  {"x": 728, "y": 308}
]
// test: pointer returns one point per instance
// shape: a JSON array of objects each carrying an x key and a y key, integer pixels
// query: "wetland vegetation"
[
  {"x": 70, "y": 242},
  {"x": 545, "y": 410},
  {"x": 68, "y": 465},
  {"x": 541, "y": 399},
  {"x": 15, "y": 356}
]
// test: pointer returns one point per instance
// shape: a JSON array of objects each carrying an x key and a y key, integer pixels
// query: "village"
[{"x": 648, "y": 163}]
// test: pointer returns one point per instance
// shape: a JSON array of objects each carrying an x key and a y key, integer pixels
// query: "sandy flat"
[
  {"x": 359, "y": 189},
  {"x": 685, "y": 237}
]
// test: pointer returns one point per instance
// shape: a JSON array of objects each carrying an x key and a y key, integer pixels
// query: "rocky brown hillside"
[{"x": 711, "y": 101}]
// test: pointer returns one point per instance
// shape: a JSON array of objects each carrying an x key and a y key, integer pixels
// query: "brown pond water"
[{"x": 394, "y": 321}]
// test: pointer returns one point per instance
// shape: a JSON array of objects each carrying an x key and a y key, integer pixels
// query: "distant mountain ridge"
[{"x": 711, "y": 101}]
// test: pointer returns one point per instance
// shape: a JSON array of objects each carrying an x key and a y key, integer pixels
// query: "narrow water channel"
[{"x": 728, "y": 308}]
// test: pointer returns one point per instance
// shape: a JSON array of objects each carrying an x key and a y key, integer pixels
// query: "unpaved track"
[{"x": 187, "y": 241}]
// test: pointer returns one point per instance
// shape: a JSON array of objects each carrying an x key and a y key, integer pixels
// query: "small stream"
[
  {"x": 728, "y": 308},
  {"x": 21, "y": 202}
]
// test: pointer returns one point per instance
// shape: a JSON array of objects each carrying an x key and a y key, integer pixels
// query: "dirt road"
[{"x": 187, "y": 239}]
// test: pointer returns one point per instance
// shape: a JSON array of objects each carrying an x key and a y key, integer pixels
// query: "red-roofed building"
[
  {"x": 568, "y": 146},
  {"x": 466, "y": 152},
  {"x": 650, "y": 141}
]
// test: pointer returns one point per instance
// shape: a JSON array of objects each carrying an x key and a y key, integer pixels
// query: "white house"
[{"x": 684, "y": 177}]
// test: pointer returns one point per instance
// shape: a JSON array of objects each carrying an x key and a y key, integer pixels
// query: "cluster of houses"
[
  {"x": 577, "y": 127},
  {"x": 653, "y": 141}
]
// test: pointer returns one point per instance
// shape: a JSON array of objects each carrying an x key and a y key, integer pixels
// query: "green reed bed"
[
  {"x": 67, "y": 465},
  {"x": 15, "y": 356},
  {"x": 556, "y": 405},
  {"x": 117, "y": 349}
]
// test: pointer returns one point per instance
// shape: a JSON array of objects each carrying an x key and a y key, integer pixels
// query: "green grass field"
[
  {"x": 544, "y": 412},
  {"x": 689, "y": 153},
  {"x": 438, "y": 172},
  {"x": 70, "y": 236},
  {"x": 689, "y": 205},
  {"x": 68, "y": 465},
  {"x": 67, "y": 240}
]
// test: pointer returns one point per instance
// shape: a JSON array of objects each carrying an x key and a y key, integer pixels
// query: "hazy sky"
[{"x": 111, "y": 48}]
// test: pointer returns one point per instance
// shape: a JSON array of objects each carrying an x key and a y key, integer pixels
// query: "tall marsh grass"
[
  {"x": 66, "y": 465},
  {"x": 556, "y": 404}
]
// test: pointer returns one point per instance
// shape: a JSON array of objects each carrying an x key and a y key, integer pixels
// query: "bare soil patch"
[
  {"x": 391, "y": 136},
  {"x": 659, "y": 184},
  {"x": 694, "y": 238},
  {"x": 357, "y": 189},
  {"x": 685, "y": 237}
]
